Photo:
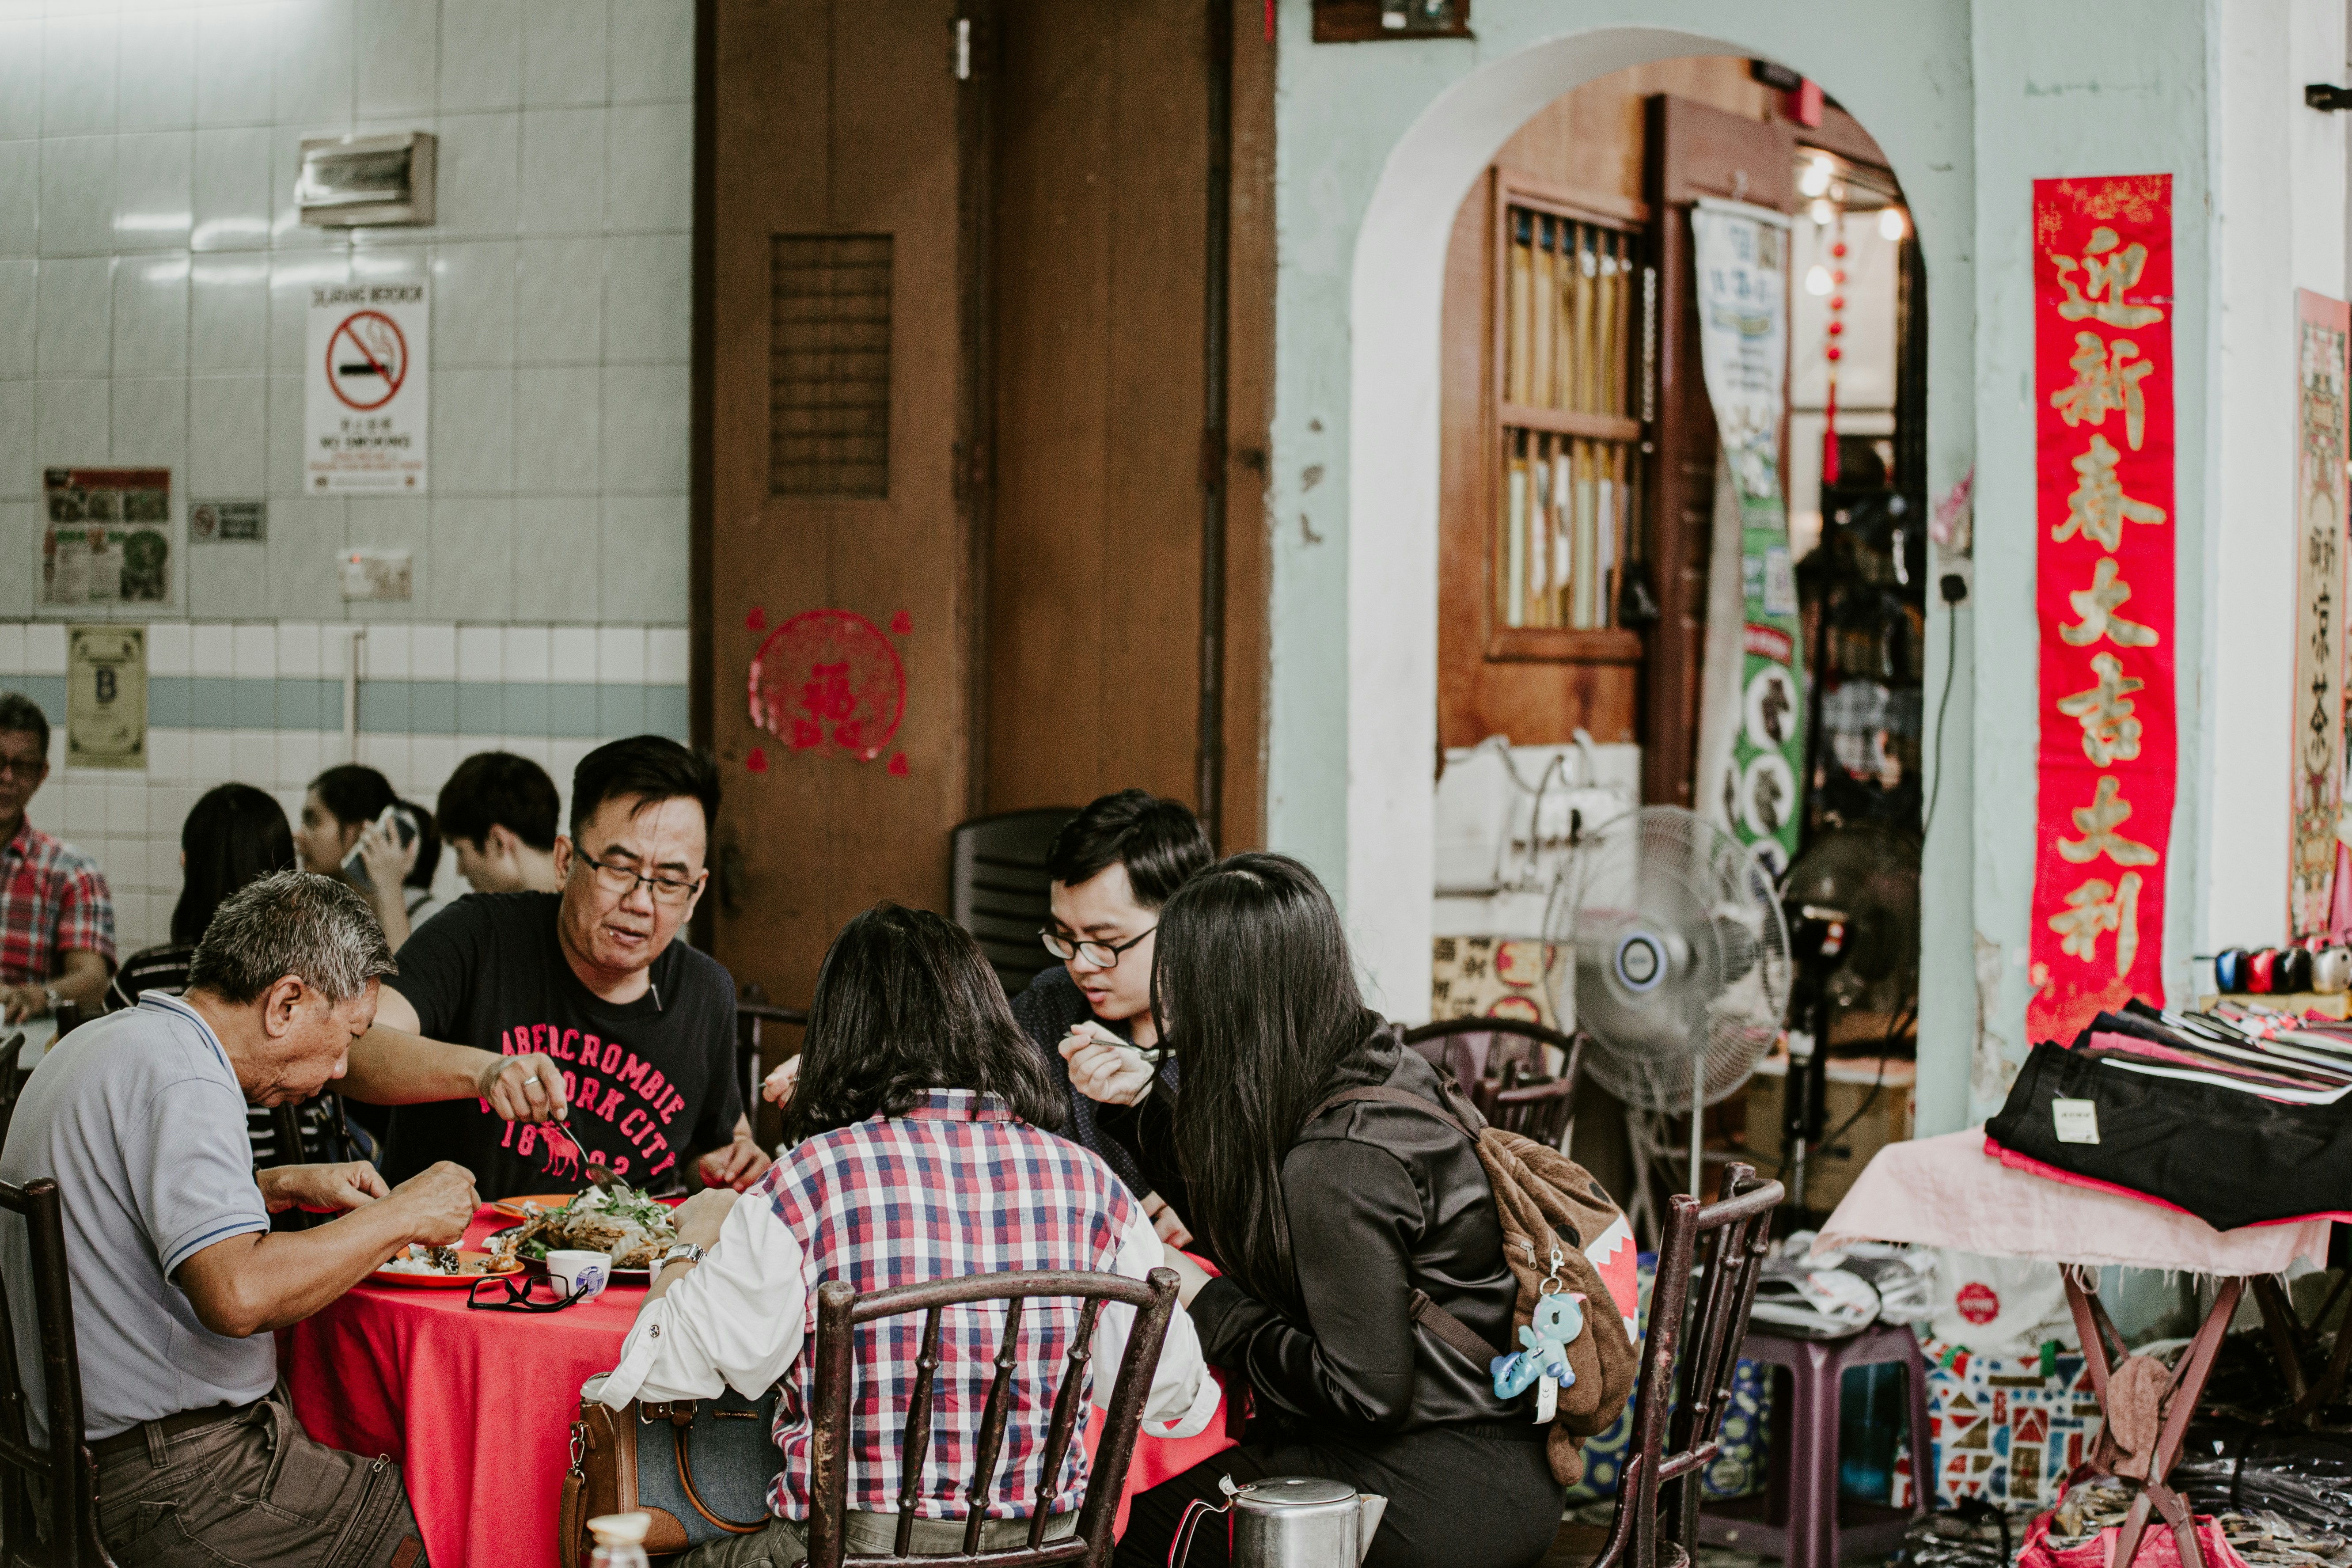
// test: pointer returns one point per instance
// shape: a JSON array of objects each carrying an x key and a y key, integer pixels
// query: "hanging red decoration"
[
  {"x": 756, "y": 621},
  {"x": 758, "y": 760},
  {"x": 1831, "y": 466},
  {"x": 828, "y": 680}
]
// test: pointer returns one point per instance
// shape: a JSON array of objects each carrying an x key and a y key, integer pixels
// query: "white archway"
[{"x": 1395, "y": 297}]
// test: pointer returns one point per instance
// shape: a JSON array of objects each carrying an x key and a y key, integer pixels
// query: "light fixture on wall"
[
  {"x": 347, "y": 182},
  {"x": 1815, "y": 179},
  {"x": 1817, "y": 281},
  {"x": 1892, "y": 224}
]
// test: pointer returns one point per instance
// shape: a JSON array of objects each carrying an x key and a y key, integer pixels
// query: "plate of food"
[
  {"x": 533, "y": 1205},
  {"x": 610, "y": 1216},
  {"x": 421, "y": 1268}
]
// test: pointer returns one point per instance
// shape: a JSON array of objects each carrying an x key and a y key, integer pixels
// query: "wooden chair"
[
  {"x": 840, "y": 1308},
  {"x": 1502, "y": 1064},
  {"x": 64, "y": 1533},
  {"x": 12, "y": 1050},
  {"x": 755, "y": 1058},
  {"x": 997, "y": 886},
  {"x": 1656, "y": 1522}
]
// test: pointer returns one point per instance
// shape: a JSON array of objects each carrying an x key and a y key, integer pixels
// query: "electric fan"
[{"x": 1681, "y": 971}]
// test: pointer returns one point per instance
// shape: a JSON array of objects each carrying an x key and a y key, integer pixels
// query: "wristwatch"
[{"x": 683, "y": 1252}]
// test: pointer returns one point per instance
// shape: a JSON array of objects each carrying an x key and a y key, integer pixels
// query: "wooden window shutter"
[{"x": 829, "y": 365}]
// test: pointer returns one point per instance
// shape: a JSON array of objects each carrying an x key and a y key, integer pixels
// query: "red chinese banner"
[{"x": 2104, "y": 594}]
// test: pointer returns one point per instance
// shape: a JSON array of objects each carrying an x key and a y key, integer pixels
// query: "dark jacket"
[
  {"x": 1381, "y": 1200},
  {"x": 1046, "y": 1011}
]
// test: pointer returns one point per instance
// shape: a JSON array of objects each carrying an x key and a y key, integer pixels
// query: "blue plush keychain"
[{"x": 1558, "y": 1318}]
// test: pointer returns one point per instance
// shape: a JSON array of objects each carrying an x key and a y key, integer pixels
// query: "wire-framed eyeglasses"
[
  {"x": 624, "y": 879},
  {"x": 1101, "y": 954}
]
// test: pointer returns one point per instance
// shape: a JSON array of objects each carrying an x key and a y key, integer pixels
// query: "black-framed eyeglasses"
[
  {"x": 623, "y": 881},
  {"x": 1101, "y": 954},
  {"x": 520, "y": 1293}
]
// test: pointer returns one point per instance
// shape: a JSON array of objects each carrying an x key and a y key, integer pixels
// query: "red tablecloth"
[{"x": 476, "y": 1407}]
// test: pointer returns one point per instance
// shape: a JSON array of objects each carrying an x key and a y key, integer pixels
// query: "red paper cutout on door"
[{"x": 828, "y": 680}]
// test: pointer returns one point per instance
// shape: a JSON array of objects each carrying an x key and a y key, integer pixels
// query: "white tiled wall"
[{"x": 153, "y": 279}]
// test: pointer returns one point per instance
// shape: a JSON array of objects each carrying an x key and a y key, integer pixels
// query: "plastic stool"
[{"x": 1800, "y": 1517}]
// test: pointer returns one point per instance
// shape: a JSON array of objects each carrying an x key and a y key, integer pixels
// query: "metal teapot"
[{"x": 1300, "y": 1521}]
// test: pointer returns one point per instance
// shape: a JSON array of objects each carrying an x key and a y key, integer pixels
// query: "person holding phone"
[{"x": 355, "y": 826}]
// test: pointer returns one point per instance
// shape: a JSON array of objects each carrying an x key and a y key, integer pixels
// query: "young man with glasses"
[
  {"x": 629, "y": 1035},
  {"x": 1113, "y": 865},
  {"x": 56, "y": 917}
]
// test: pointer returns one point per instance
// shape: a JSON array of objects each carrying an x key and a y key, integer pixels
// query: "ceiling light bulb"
[
  {"x": 1822, "y": 212},
  {"x": 1816, "y": 177},
  {"x": 1816, "y": 282}
]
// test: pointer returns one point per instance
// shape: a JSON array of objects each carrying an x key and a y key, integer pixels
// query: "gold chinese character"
[
  {"x": 2096, "y": 907},
  {"x": 2098, "y": 509},
  {"x": 2108, "y": 274},
  {"x": 2097, "y": 605},
  {"x": 2098, "y": 822},
  {"x": 2110, "y": 734},
  {"x": 2106, "y": 376}
]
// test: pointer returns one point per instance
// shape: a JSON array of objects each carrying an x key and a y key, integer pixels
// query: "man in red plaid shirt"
[{"x": 57, "y": 918}]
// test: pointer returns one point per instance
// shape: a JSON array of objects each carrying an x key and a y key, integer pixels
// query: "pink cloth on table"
[
  {"x": 2031, "y": 1166},
  {"x": 1948, "y": 1192},
  {"x": 476, "y": 1407}
]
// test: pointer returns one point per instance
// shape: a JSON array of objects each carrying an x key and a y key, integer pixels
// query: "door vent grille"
[{"x": 829, "y": 365}]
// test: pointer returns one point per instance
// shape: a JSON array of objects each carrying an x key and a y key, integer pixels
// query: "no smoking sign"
[{"x": 365, "y": 402}]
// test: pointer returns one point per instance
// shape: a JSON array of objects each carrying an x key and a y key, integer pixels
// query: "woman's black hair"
[
  {"x": 1159, "y": 842},
  {"x": 1253, "y": 991},
  {"x": 234, "y": 835},
  {"x": 428, "y": 846},
  {"x": 905, "y": 1003},
  {"x": 354, "y": 793}
]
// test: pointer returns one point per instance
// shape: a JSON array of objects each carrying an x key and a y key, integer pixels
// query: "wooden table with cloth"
[
  {"x": 1950, "y": 1192},
  {"x": 477, "y": 1407}
]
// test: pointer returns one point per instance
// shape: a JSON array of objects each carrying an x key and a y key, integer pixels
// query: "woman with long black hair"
[{"x": 1325, "y": 1222}]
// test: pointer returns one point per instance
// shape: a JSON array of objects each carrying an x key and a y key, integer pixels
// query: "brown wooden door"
[
  {"x": 834, "y": 419},
  {"x": 1693, "y": 151}
]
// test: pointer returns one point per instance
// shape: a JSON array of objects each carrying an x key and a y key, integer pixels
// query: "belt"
[{"x": 169, "y": 1426}]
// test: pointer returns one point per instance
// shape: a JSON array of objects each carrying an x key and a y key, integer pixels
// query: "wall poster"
[
  {"x": 2318, "y": 772},
  {"x": 364, "y": 391},
  {"x": 1751, "y": 743},
  {"x": 2103, "y": 595},
  {"x": 106, "y": 697},
  {"x": 108, "y": 537}
]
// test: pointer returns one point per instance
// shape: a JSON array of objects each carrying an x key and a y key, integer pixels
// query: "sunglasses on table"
[{"x": 518, "y": 1293}]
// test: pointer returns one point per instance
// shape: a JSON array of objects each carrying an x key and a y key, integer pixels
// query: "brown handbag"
[{"x": 700, "y": 1467}]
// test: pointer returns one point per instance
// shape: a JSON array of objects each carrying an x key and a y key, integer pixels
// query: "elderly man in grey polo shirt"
[{"x": 177, "y": 1278}]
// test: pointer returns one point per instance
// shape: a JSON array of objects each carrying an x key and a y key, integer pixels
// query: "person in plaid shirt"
[
  {"x": 56, "y": 917},
  {"x": 918, "y": 1149}
]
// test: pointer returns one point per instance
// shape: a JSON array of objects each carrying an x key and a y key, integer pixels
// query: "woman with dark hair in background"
[
  {"x": 234, "y": 834},
  {"x": 918, "y": 1148},
  {"x": 344, "y": 809},
  {"x": 1325, "y": 1221}
]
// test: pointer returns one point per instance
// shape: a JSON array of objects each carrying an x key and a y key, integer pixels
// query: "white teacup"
[{"x": 581, "y": 1275}]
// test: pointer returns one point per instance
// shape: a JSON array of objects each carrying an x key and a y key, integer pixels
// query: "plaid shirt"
[
  {"x": 53, "y": 901},
  {"x": 955, "y": 1186}
]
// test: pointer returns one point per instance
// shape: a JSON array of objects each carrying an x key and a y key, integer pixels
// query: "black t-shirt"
[{"x": 647, "y": 1081}]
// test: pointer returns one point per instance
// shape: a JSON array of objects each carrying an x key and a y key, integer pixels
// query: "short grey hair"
[{"x": 317, "y": 929}]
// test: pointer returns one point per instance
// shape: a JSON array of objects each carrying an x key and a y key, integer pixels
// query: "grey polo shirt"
[{"x": 138, "y": 1117}]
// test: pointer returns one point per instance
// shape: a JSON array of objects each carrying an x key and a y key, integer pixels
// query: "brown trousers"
[{"x": 252, "y": 1489}]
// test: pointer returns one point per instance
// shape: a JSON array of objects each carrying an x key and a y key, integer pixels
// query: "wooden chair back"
[
  {"x": 67, "y": 1537},
  {"x": 840, "y": 1308},
  {"x": 757, "y": 1055},
  {"x": 997, "y": 888},
  {"x": 1708, "y": 1262},
  {"x": 12, "y": 1051},
  {"x": 1503, "y": 1065}
]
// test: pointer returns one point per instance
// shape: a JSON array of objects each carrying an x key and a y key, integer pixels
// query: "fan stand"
[{"x": 1646, "y": 1140}]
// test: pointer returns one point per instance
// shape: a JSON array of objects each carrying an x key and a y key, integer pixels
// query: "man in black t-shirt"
[{"x": 600, "y": 1036}]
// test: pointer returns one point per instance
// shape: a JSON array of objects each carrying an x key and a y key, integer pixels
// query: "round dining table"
[{"x": 477, "y": 1407}]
